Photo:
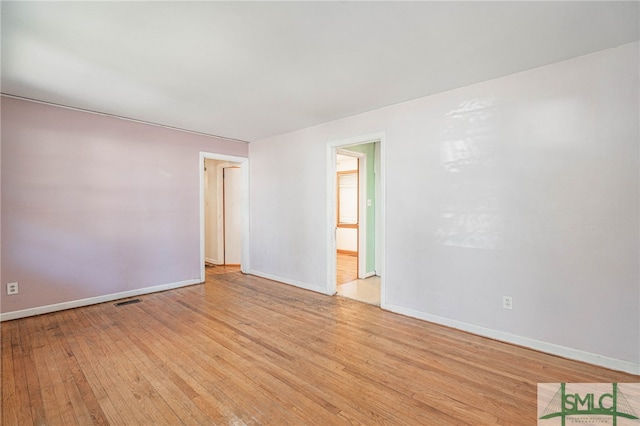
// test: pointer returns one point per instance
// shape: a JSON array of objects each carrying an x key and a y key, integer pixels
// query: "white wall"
[
  {"x": 525, "y": 186},
  {"x": 344, "y": 163},
  {"x": 347, "y": 239}
]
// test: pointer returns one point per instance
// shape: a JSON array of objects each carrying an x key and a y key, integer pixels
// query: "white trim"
[
  {"x": 93, "y": 300},
  {"x": 331, "y": 244},
  {"x": 332, "y": 149},
  {"x": 381, "y": 221},
  {"x": 357, "y": 140},
  {"x": 377, "y": 167},
  {"x": 244, "y": 167},
  {"x": 212, "y": 261},
  {"x": 549, "y": 348},
  {"x": 363, "y": 233},
  {"x": 220, "y": 212},
  {"x": 288, "y": 281}
]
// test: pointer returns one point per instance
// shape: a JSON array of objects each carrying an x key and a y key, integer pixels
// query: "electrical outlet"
[
  {"x": 12, "y": 288},
  {"x": 507, "y": 302}
]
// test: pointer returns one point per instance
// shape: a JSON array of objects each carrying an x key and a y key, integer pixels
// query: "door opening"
[
  {"x": 224, "y": 214},
  {"x": 357, "y": 221},
  {"x": 347, "y": 218}
]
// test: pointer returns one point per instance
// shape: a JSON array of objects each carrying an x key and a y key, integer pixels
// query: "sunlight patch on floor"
[{"x": 367, "y": 290}]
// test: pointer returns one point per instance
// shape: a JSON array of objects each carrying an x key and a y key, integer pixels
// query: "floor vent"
[{"x": 128, "y": 302}]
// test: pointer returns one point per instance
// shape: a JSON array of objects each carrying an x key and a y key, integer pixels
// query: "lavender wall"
[{"x": 94, "y": 205}]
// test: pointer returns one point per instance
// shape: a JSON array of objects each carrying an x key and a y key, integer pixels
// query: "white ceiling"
[{"x": 249, "y": 70}]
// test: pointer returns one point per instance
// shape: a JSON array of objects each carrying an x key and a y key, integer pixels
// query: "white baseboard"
[
  {"x": 295, "y": 283},
  {"x": 566, "y": 352},
  {"x": 550, "y": 348},
  {"x": 6, "y": 316},
  {"x": 212, "y": 261}
]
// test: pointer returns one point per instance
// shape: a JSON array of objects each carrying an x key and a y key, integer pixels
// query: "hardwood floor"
[
  {"x": 346, "y": 268},
  {"x": 244, "y": 350}
]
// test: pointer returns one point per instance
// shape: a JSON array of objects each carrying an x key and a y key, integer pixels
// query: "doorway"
[
  {"x": 356, "y": 226},
  {"x": 348, "y": 219},
  {"x": 224, "y": 211}
]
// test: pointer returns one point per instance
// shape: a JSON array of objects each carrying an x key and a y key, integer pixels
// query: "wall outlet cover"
[
  {"x": 507, "y": 302},
  {"x": 12, "y": 288}
]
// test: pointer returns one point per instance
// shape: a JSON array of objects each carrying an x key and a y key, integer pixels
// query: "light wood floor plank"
[
  {"x": 16, "y": 374},
  {"x": 58, "y": 373},
  {"x": 346, "y": 268},
  {"x": 140, "y": 399},
  {"x": 248, "y": 351},
  {"x": 220, "y": 362},
  {"x": 84, "y": 399},
  {"x": 88, "y": 370},
  {"x": 33, "y": 378},
  {"x": 9, "y": 391},
  {"x": 240, "y": 355}
]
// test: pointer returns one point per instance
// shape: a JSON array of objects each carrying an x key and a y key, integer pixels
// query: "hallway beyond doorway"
[
  {"x": 346, "y": 268},
  {"x": 367, "y": 290},
  {"x": 348, "y": 284}
]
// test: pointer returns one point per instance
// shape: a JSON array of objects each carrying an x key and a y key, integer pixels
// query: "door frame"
[
  {"x": 243, "y": 163},
  {"x": 331, "y": 152}
]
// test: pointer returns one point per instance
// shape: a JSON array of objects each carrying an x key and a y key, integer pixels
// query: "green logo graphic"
[{"x": 613, "y": 404}]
